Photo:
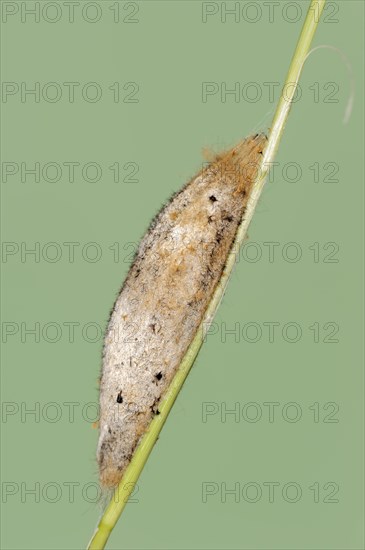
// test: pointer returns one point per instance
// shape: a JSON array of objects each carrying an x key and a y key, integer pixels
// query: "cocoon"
[{"x": 162, "y": 302}]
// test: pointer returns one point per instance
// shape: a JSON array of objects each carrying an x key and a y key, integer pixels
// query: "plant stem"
[{"x": 123, "y": 491}]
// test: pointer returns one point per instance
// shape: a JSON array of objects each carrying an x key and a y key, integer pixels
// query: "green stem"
[{"x": 123, "y": 491}]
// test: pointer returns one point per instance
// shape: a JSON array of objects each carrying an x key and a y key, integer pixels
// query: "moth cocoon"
[{"x": 178, "y": 265}]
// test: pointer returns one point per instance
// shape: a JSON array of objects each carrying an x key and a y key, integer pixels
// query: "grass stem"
[{"x": 123, "y": 491}]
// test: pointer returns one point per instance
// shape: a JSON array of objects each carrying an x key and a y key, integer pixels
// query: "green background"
[{"x": 169, "y": 52}]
